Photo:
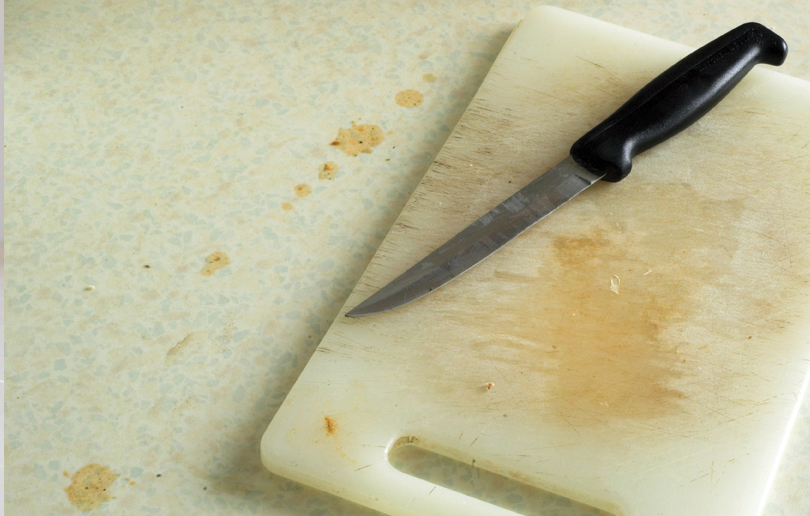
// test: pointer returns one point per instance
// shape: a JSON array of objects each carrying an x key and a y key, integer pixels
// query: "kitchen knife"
[{"x": 664, "y": 107}]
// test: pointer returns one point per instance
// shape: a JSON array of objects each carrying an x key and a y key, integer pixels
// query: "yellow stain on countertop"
[
  {"x": 214, "y": 262},
  {"x": 303, "y": 190},
  {"x": 89, "y": 487},
  {"x": 360, "y": 138},
  {"x": 328, "y": 170},
  {"x": 409, "y": 98}
]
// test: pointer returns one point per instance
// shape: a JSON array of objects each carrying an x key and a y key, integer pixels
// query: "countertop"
[{"x": 185, "y": 218}]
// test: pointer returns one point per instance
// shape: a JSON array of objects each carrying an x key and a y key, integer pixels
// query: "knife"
[{"x": 668, "y": 104}]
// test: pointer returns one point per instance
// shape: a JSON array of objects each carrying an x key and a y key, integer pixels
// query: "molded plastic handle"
[{"x": 675, "y": 99}]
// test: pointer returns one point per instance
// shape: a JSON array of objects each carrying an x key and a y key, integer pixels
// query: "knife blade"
[{"x": 665, "y": 106}]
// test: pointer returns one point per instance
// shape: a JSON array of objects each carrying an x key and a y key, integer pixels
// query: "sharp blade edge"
[{"x": 482, "y": 238}]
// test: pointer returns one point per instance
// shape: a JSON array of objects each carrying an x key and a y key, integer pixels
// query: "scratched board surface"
[{"x": 646, "y": 346}]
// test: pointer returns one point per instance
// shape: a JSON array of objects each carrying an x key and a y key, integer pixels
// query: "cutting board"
[{"x": 671, "y": 393}]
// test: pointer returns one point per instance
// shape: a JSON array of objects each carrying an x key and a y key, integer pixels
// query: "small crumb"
[
  {"x": 158, "y": 475},
  {"x": 147, "y": 267},
  {"x": 286, "y": 206},
  {"x": 90, "y": 287},
  {"x": 615, "y": 281},
  {"x": 489, "y": 386},
  {"x": 649, "y": 271},
  {"x": 303, "y": 190},
  {"x": 409, "y": 98},
  {"x": 429, "y": 77},
  {"x": 328, "y": 170}
]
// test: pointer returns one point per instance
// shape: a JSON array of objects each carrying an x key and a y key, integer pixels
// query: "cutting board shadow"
[{"x": 646, "y": 345}]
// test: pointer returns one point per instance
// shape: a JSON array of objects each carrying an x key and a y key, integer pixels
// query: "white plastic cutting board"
[{"x": 669, "y": 397}]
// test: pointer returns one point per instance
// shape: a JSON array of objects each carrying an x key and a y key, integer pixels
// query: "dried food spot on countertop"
[
  {"x": 409, "y": 98},
  {"x": 286, "y": 206},
  {"x": 214, "y": 262},
  {"x": 327, "y": 170},
  {"x": 303, "y": 190},
  {"x": 330, "y": 424},
  {"x": 360, "y": 138},
  {"x": 429, "y": 77},
  {"x": 89, "y": 487},
  {"x": 190, "y": 339}
]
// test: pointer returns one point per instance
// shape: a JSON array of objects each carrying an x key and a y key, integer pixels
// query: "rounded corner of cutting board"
[{"x": 270, "y": 448}]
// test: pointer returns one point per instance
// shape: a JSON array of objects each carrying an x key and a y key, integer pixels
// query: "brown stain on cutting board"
[
  {"x": 358, "y": 139},
  {"x": 214, "y": 262},
  {"x": 331, "y": 428},
  {"x": 89, "y": 487},
  {"x": 429, "y": 77},
  {"x": 409, "y": 98},
  {"x": 582, "y": 351},
  {"x": 330, "y": 425}
]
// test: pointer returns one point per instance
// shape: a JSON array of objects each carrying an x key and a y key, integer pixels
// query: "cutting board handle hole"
[{"x": 468, "y": 478}]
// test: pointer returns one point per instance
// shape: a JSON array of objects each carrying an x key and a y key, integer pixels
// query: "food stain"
[
  {"x": 327, "y": 170},
  {"x": 286, "y": 206},
  {"x": 331, "y": 425},
  {"x": 409, "y": 98},
  {"x": 429, "y": 77},
  {"x": 89, "y": 487},
  {"x": 303, "y": 190},
  {"x": 190, "y": 339},
  {"x": 594, "y": 356},
  {"x": 214, "y": 262},
  {"x": 360, "y": 138}
]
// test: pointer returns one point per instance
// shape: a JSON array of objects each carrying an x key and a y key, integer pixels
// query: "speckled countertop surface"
[{"x": 181, "y": 230}]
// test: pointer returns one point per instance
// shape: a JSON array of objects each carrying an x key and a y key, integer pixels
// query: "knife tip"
[{"x": 355, "y": 313}]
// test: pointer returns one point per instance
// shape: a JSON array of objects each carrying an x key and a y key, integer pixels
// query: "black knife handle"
[{"x": 675, "y": 99}]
